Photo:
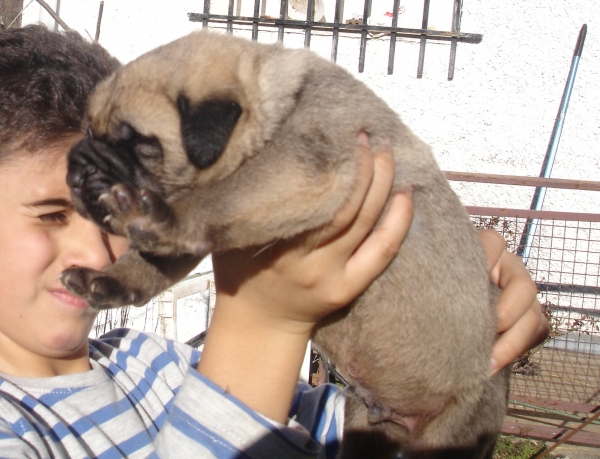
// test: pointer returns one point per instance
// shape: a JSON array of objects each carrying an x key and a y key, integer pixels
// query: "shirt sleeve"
[
  {"x": 15, "y": 447},
  {"x": 207, "y": 422}
]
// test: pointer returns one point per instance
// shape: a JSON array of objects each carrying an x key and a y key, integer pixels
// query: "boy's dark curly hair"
[{"x": 45, "y": 80}]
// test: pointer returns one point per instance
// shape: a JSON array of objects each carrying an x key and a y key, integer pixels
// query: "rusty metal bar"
[
  {"x": 498, "y": 179},
  {"x": 555, "y": 404},
  {"x": 570, "y": 288},
  {"x": 206, "y": 13},
  {"x": 254, "y": 21},
  {"x": 565, "y": 437},
  {"x": 363, "y": 36},
  {"x": 403, "y": 32},
  {"x": 58, "y": 14},
  {"x": 55, "y": 16},
  {"x": 310, "y": 17},
  {"x": 336, "y": 30},
  {"x": 423, "y": 39},
  {"x": 99, "y": 22},
  {"x": 230, "y": 13},
  {"x": 392, "y": 53},
  {"x": 282, "y": 14},
  {"x": 456, "y": 15},
  {"x": 528, "y": 213},
  {"x": 549, "y": 433},
  {"x": 197, "y": 340},
  {"x": 309, "y": 25},
  {"x": 531, "y": 431}
]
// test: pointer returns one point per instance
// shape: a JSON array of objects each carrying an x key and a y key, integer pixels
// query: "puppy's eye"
[{"x": 149, "y": 148}]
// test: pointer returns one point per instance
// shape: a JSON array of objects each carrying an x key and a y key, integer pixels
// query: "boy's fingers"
[
  {"x": 372, "y": 206},
  {"x": 347, "y": 214},
  {"x": 519, "y": 339},
  {"x": 519, "y": 293},
  {"x": 381, "y": 246},
  {"x": 493, "y": 245}
]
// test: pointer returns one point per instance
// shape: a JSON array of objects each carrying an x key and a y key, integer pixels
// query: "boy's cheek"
[{"x": 118, "y": 245}]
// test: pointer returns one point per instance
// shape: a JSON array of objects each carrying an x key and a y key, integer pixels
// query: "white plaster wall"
[{"x": 497, "y": 114}]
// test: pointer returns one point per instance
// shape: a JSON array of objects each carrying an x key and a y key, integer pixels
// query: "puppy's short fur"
[{"x": 212, "y": 143}]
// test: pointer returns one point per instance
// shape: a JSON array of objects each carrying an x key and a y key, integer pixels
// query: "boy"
[{"x": 134, "y": 395}]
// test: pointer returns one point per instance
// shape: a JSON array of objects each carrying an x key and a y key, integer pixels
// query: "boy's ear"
[{"x": 205, "y": 128}]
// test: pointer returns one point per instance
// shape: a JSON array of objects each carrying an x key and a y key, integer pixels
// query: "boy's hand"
[
  {"x": 521, "y": 323},
  {"x": 296, "y": 283}
]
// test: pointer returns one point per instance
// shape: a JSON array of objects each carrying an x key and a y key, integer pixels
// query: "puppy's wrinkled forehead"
[
  {"x": 205, "y": 68},
  {"x": 117, "y": 101},
  {"x": 210, "y": 100}
]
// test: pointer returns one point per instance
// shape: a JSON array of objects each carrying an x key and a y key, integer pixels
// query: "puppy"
[{"x": 212, "y": 143}]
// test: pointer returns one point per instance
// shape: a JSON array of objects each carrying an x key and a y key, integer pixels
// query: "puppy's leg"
[{"x": 133, "y": 280}]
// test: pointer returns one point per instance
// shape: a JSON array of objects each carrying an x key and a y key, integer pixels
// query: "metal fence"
[
  {"x": 556, "y": 387},
  {"x": 300, "y": 15}
]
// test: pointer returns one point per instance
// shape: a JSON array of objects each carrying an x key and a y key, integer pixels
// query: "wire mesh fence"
[{"x": 564, "y": 262}]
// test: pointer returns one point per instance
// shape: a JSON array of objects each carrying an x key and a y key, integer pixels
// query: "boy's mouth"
[{"x": 67, "y": 297}]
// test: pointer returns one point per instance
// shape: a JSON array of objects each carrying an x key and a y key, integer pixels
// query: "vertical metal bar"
[
  {"x": 456, "y": 15},
  {"x": 310, "y": 13},
  {"x": 423, "y": 39},
  {"x": 363, "y": 37},
  {"x": 230, "y": 21},
  {"x": 393, "y": 38},
  {"x": 255, "y": 21},
  {"x": 336, "y": 29},
  {"x": 540, "y": 192},
  {"x": 58, "y": 14},
  {"x": 206, "y": 11},
  {"x": 99, "y": 21},
  {"x": 282, "y": 15}
]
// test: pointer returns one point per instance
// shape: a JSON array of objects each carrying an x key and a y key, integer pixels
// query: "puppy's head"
[{"x": 200, "y": 123}]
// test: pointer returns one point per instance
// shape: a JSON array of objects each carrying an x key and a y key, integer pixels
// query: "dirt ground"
[{"x": 577, "y": 452}]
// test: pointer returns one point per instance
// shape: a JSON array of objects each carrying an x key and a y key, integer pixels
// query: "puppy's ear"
[
  {"x": 205, "y": 128},
  {"x": 281, "y": 80}
]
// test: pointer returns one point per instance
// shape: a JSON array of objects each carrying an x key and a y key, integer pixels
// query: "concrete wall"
[{"x": 497, "y": 114}]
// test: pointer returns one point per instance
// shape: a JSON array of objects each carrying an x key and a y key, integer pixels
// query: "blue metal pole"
[{"x": 540, "y": 192}]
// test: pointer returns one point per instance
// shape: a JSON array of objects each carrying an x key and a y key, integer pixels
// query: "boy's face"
[{"x": 44, "y": 328}]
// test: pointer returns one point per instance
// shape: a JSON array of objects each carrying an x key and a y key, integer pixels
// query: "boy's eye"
[{"x": 54, "y": 217}]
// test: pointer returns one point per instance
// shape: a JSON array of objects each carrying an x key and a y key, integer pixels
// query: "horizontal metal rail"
[
  {"x": 498, "y": 179},
  {"x": 571, "y": 288},
  {"x": 350, "y": 28},
  {"x": 528, "y": 213}
]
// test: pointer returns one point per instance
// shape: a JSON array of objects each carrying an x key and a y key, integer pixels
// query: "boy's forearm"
[{"x": 252, "y": 358}]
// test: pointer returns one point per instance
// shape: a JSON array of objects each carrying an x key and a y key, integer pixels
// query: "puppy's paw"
[
  {"x": 141, "y": 215},
  {"x": 98, "y": 289}
]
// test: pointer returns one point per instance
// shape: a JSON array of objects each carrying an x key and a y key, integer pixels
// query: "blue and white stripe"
[{"x": 143, "y": 398}]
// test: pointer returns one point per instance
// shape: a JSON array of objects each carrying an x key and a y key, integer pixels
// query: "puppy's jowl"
[{"x": 213, "y": 142}]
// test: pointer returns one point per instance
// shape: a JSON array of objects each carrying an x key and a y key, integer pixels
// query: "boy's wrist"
[{"x": 254, "y": 357}]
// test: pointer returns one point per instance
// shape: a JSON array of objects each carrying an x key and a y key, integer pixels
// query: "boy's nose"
[{"x": 84, "y": 245}]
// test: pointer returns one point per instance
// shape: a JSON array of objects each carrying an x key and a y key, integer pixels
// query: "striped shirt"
[{"x": 143, "y": 398}]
